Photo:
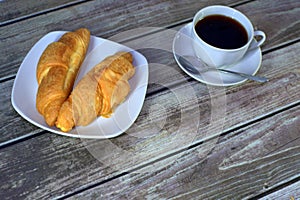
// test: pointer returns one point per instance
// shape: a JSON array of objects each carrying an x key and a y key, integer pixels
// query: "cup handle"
[{"x": 255, "y": 44}]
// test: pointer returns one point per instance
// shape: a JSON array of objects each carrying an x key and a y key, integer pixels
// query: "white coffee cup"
[{"x": 217, "y": 57}]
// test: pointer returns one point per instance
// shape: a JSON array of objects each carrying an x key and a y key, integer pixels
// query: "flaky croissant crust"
[
  {"x": 98, "y": 93},
  {"x": 56, "y": 72}
]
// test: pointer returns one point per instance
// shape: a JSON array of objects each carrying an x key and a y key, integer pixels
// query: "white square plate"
[{"x": 25, "y": 88}]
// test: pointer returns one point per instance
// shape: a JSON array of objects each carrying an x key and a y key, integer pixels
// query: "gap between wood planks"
[
  {"x": 272, "y": 113},
  {"x": 277, "y": 188},
  {"x": 8, "y": 22},
  {"x": 193, "y": 146},
  {"x": 25, "y": 17}
]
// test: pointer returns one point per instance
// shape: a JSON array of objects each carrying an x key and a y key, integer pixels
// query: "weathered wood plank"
[
  {"x": 104, "y": 19},
  {"x": 12, "y": 162},
  {"x": 18, "y": 9},
  {"x": 268, "y": 16},
  {"x": 53, "y": 165},
  {"x": 171, "y": 120},
  {"x": 291, "y": 192},
  {"x": 264, "y": 158},
  {"x": 11, "y": 124}
]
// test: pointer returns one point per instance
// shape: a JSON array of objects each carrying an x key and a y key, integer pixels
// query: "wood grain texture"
[
  {"x": 11, "y": 11},
  {"x": 103, "y": 18},
  {"x": 291, "y": 192},
  {"x": 263, "y": 161},
  {"x": 12, "y": 125},
  {"x": 190, "y": 141},
  {"x": 268, "y": 16},
  {"x": 184, "y": 111}
]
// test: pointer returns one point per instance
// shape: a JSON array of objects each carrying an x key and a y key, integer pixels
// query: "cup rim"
[{"x": 250, "y": 38}]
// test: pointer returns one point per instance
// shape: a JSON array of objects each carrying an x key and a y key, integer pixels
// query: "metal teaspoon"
[{"x": 190, "y": 67}]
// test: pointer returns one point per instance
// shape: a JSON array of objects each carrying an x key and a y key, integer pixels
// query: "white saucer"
[{"x": 250, "y": 64}]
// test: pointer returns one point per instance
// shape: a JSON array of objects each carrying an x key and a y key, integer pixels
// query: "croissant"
[
  {"x": 56, "y": 72},
  {"x": 98, "y": 93}
]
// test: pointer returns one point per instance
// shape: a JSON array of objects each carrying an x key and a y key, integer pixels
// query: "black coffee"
[{"x": 222, "y": 32}]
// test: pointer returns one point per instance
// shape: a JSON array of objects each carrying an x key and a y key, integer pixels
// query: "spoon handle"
[
  {"x": 248, "y": 76},
  {"x": 190, "y": 67}
]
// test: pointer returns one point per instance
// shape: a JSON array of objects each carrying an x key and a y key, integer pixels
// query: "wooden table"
[{"x": 190, "y": 141}]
